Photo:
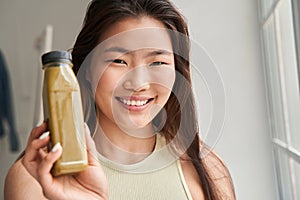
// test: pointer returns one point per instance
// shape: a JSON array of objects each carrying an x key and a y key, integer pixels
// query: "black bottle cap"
[{"x": 53, "y": 56}]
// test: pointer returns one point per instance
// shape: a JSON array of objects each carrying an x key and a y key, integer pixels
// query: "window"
[{"x": 279, "y": 22}]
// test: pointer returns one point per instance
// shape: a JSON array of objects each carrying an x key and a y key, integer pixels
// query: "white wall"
[{"x": 228, "y": 30}]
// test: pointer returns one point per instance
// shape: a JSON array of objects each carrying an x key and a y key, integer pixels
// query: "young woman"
[{"x": 132, "y": 61}]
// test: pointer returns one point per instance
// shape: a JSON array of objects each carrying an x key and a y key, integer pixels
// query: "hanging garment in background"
[{"x": 6, "y": 106}]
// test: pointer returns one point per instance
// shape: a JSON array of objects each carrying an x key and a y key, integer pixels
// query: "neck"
[{"x": 124, "y": 147}]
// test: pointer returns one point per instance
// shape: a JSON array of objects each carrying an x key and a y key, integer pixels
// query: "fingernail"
[
  {"x": 56, "y": 147},
  {"x": 86, "y": 127},
  {"x": 44, "y": 135}
]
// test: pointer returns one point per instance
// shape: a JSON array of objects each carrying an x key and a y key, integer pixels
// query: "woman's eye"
[
  {"x": 157, "y": 63},
  {"x": 119, "y": 61}
]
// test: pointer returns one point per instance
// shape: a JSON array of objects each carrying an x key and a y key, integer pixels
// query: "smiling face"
[{"x": 138, "y": 73}]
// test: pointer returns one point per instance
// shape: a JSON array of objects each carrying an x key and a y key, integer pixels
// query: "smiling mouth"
[{"x": 134, "y": 102}]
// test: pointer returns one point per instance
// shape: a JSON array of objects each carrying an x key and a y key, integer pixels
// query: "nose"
[
  {"x": 130, "y": 86},
  {"x": 137, "y": 79}
]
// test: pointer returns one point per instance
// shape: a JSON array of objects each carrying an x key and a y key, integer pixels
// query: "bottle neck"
[{"x": 58, "y": 64}]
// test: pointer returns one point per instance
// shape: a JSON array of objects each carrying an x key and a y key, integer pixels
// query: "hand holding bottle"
[{"x": 88, "y": 184}]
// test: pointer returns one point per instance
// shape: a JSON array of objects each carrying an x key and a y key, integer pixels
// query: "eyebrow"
[
  {"x": 117, "y": 49},
  {"x": 159, "y": 52},
  {"x": 125, "y": 51}
]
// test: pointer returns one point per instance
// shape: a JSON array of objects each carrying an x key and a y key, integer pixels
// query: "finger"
[
  {"x": 91, "y": 147},
  {"x": 33, "y": 147},
  {"x": 37, "y": 131},
  {"x": 42, "y": 153},
  {"x": 30, "y": 159},
  {"x": 44, "y": 171}
]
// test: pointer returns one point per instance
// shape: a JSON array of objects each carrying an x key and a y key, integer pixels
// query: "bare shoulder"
[
  {"x": 219, "y": 173},
  {"x": 191, "y": 178},
  {"x": 19, "y": 184}
]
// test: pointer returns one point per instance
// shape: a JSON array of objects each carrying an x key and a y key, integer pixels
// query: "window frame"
[{"x": 281, "y": 141}]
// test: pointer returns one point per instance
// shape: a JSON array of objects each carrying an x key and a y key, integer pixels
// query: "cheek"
[
  {"x": 108, "y": 82},
  {"x": 163, "y": 77},
  {"x": 165, "y": 85},
  {"x": 163, "y": 94},
  {"x": 105, "y": 89}
]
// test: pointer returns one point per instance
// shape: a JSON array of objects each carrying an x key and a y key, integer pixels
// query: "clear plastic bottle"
[{"x": 63, "y": 110}]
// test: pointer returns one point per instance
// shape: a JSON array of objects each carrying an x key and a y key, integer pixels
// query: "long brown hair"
[{"x": 181, "y": 120}]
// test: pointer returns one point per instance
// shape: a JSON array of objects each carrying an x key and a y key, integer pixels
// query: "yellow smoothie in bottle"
[{"x": 63, "y": 110}]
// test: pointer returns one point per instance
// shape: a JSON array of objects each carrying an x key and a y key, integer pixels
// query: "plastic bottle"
[{"x": 63, "y": 110}]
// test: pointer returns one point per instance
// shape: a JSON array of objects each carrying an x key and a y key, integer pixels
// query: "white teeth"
[{"x": 134, "y": 102}]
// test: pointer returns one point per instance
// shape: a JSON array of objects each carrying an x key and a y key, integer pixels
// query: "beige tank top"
[{"x": 158, "y": 177}]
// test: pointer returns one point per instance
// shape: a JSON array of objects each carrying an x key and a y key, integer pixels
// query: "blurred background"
[{"x": 253, "y": 43}]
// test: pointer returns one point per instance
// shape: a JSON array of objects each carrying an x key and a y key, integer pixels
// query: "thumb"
[{"x": 91, "y": 147}]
